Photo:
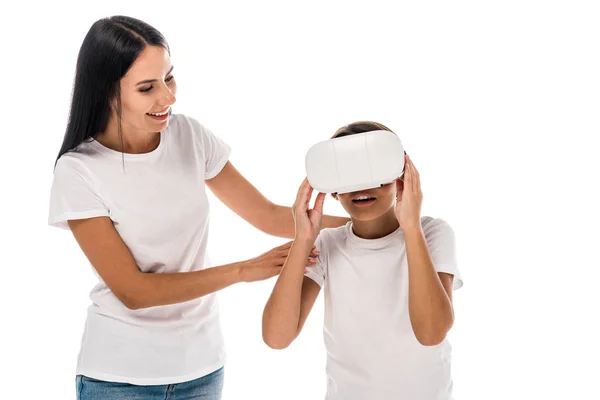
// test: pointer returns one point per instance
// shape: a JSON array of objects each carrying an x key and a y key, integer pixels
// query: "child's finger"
[
  {"x": 417, "y": 176},
  {"x": 304, "y": 186},
  {"x": 412, "y": 174},
  {"x": 304, "y": 192},
  {"x": 300, "y": 190},
  {"x": 407, "y": 173},
  {"x": 408, "y": 176},
  {"x": 319, "y": 202}
]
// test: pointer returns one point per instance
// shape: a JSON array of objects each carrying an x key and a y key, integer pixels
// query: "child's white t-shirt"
[
  {"x": 158, "y": 204},
  {"x": 372, "y": 352}
]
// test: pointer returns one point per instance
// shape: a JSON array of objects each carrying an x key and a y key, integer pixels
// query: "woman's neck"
[{"x": 131, "y": 140}]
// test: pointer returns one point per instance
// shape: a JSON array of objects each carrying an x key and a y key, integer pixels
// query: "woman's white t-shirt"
[
  {"x": 372, "y": 352},
  {"x": 158, "y": 204}
]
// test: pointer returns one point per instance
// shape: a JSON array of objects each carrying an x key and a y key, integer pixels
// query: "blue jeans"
[{"x": 208, "y": 387}]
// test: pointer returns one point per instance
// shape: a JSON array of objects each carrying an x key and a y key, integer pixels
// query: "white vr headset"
[{"x": 355, "y": 162}]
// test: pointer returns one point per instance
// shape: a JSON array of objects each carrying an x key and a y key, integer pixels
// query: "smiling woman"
[
  {"x": 153, "y": 325},
  {"x": 143, "y": 105}
]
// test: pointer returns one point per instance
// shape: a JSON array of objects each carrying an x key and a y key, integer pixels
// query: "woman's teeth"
[{"x": 158, "y": 115}]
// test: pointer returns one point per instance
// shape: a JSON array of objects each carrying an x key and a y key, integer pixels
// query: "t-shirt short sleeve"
[
  {"x": 442, "y": 248},
  {"x": 317, "y": 271},
  {"x": 216, "y": 151},
  {"x": 73, "y": 194}
]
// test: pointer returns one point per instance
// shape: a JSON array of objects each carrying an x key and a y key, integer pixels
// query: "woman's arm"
[
  {"x": 245, "y": 200},
  {"x": 115, "y": 264}
]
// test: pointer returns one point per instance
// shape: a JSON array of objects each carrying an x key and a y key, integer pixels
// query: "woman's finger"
[
  {"x": 275, "y": 271},
  {"x": 282, "y": 253},
  {"x": 285, "y": 245}
]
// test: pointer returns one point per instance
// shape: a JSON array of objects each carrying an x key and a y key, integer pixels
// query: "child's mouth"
[{"x": 363, "y": 201}]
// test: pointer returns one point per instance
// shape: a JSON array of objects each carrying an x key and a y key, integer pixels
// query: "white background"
[{"x": 497, "y": 102}]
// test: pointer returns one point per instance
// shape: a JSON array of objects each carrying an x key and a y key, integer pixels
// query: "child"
[{"x": 388, "y": 276}]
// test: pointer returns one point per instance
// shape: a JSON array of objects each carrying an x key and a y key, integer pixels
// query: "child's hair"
[{"x": 360, "y": 127}]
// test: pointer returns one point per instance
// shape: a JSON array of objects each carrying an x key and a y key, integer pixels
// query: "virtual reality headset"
[{"x": 355, "y": 162}]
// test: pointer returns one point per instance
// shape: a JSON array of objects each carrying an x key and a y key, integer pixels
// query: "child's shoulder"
[
  {"x": 435, "y": 229},
  {"x": 429, "y": 223},
  {"x": 330, "y": 236}
]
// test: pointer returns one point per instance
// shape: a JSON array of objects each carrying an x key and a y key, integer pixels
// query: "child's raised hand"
[
  {"x": 307, "y": 221},
  {"x": 409, "y": 197}
]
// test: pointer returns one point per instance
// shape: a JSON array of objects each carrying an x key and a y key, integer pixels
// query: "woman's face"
[{"x": 148, "y": 91}]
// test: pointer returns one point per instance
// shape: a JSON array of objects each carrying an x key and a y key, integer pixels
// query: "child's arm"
[
  {"x": 294, "y": 295},
  {"x": 291, "y": 300},
  {"x": 429, "y": 292}
]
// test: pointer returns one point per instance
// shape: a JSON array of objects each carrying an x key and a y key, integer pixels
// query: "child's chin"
[
  {"x": 368, "y": 213},
  {"x": 363, "y": 216}
]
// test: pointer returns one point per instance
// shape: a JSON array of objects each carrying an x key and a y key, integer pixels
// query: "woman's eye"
[{"x": 149, "y": 88}]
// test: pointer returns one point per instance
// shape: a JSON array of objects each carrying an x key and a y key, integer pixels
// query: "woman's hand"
[
  {"x": 307, "y": 221},
  {"x": 268, "y": 264},
  {"x": 409, "y": 197}
]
